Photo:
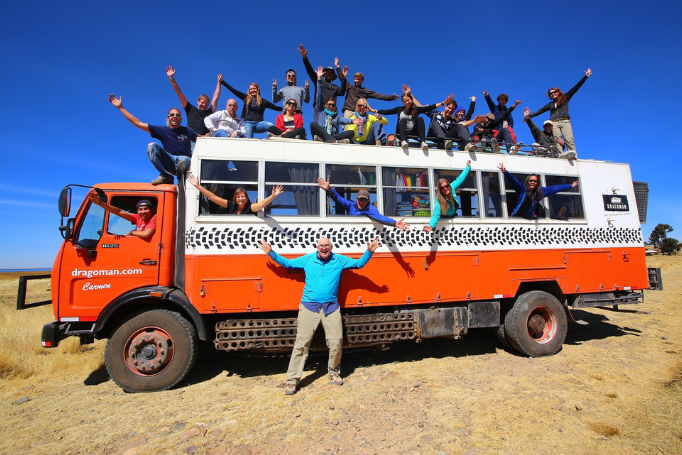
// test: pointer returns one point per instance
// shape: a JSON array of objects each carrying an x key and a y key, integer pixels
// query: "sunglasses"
[
  {"x": 442, "y": 187},
  {"x": 362, "y": 106},
  {"x": 291, "y": 75},
  {"x": 331, "y": 105},
  {"x": 291, "y": 103},
  {"x": 552, "y": 93},
  {"x": 174, "y": 115},
  {"x": 532, "y": 181}
]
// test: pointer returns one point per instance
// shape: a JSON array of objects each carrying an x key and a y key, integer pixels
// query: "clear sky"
[{"x": 61, "y": 60}]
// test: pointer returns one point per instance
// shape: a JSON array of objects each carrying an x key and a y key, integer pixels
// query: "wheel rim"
[
  {"x": 149, "y": 351},
  {"x": 542, "y": 325}
]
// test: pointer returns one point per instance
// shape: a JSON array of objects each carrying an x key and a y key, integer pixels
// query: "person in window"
[
  {"x": 361, "y": 207},
  {"x": 448, "y": 201},
  {"x": 558, "y": 111},
  {"x": 529, "y": 194},
  {"x": 291, "y": 90},
  {"x": 254, "y": 107},
  {"x": 546, "y": 138},
  {"x": 409, "y": 121},
  {"x": 367, "y": 128},
  {"x": 325, "y": 127},
  {"x": 144, "y": 220},
  {"x": 289, "y": 124},
  {"x": 240, "y": 204}
]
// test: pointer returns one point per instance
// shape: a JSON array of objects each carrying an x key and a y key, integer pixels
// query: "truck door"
[{"x": 104, "y": 262}]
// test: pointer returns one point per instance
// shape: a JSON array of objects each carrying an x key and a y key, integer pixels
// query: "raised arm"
[
  {"x": 460, "y": 178},
  {"x": 94, "y": 198},
  {"x": 350, "y": 263},
  {"x": 276, "y": 191},
  {"x": 467, "y": 123},
  {"x": 308, "y": 67},
  {"x": 331, "y": 192},
  {"x": 571, "y": 92},
  {"x": 306, "y": 92},
  {"x": 506, "y": 114},
  {"x": 407, "y": 89},
  {"x": 472, "y": 106},
  {"x": 489, "y": 101},
  {"x": 237, "y": 93},
  {"x": 550, "y": 190},
  {"x": 534, "y": 130},
  {"x": 211, "y": 197},
  {"x": 276, "y": 96},
  {"x": 170, "y": 72},
  {"x": 518, "y": 186},
  {"x": 374, "y": 215},
  {"x": 216, "y": 94},
  {"x": 542, "y": 110},
  {"x": 118, "y": 103}
]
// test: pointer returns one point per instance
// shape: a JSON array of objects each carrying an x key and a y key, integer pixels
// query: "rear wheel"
[
  {"x": 151, "y": 350},
  {"x": 502, "y": 337},
  {"x": 536, "y": 325}
]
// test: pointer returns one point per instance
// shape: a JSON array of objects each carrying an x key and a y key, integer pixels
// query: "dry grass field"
[{"x": 615, "y": 387}]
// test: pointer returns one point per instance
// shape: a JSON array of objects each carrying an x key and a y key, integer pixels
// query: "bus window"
[
  {"x": 467, "y": 191},
  {"x": 566, "y": 204},
  {"x": 406, "y": 191},
  {"x": 492, "y": 197},
  {"x": 120, "y": 226},
  {"x": 511, "y": 195},
  {"x": 301, "y": 195},
  {"x": 347, "y": 181},
  {"x": 223, "y": 177}
]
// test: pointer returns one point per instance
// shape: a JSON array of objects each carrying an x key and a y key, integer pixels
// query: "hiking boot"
[
  {"x": 335, "y": 378},
  {"x": 403, "y": 144},
  {"x": 568, "y": 155},
  {"x": 317, "y": 139},
  {"x": 471, "y": 147},
  {"x": 448, "y": 144},
  {"x": 162, "y": 179},
  {"x": 425, "y": 146},
  {"x": 290, "y": 389},
  {"x": 343, "y": 141}
]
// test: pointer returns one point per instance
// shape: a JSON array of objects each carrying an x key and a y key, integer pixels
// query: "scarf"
[
  {"x": 329, "y": 120},
  {"x": 361, "y": 126}
]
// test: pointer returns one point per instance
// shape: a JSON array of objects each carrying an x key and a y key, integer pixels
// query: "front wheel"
[
  {"x": 536, "y": 325},
  {"x": 151, "y": 350}
]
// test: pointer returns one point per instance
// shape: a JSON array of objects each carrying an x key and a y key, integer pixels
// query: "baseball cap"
[
  {"x": 144, "y": 203},
  {"x": 548, "y": 122},
  {"x": 363, "y": 194}
]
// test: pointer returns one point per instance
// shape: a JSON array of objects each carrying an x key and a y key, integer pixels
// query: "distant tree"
[
  {"x": 659, "y": 233},
  {"x": 670, "y": 245}
]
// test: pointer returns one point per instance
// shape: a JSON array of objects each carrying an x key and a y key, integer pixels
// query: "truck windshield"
[{"x": 90, "y": 229}]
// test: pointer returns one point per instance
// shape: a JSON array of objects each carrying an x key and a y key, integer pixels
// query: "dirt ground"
[{"x": 611, "y": 389}]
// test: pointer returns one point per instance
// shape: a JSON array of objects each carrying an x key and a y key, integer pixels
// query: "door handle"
[{"x": 148, "y": 262}]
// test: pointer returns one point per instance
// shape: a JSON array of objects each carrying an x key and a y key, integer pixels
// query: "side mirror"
[
  {"x": 67, "y": 230},
  {"x": 65, "y": 201}
]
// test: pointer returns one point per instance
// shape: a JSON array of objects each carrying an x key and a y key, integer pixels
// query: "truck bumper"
[{"x": 53, "y": 333}]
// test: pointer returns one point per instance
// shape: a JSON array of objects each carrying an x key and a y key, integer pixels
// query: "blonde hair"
[
  {"x": 360, "y": 75},
  {"x": 247, "y": 101},
  {"x": 169, "y": 111},
  {"x": 444, "y": 201}
]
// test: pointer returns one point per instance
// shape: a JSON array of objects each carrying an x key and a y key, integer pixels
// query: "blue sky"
[{"x": 61, "y": 60}]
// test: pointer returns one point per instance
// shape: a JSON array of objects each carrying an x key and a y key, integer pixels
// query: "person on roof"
[
  {"x": 291, "y": 91},
  {"x": 288, "y": 124},
  {"x": 367, "y": 128},
  {"x": 254, "y": 107},
  {"x": 356, "y": 91},
  {"x": 144, "y": 220},
  {"x": 225, "y": 123},
  {"x": 529, "y": 194},
  {"x": 319, "y": 304},
  {"x": 326, "y": 126},
  {"x": 361, "y": 207},
  {"x": 175, "y": 156},
  {"x": 546, "y": 138},
  {"x": 483, "y": 130},
  {"x": 240, "y": 203},
  {"x": 448, "y": 201},
  {"x": 446, "y": 128},
  {"x": 329, "y": 90},
  {"x": 498, "y": 110},
  {"x": 558, "y": 111},
  {"x": 196, "y": 115}
]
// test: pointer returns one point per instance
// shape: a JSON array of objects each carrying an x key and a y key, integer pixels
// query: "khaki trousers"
[
  {"x": 307, "y": 323},
  {"x": 563, "y": 127}
]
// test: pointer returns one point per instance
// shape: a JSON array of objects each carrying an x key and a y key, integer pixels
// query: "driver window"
[
  {"x": 120, "y": 226},
  {"x": 90, "y": 229}
]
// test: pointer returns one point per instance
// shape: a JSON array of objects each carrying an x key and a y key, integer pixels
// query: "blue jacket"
[
  {"x": 495, "y": 109},
  {"x": 452, "y": 207},
  {"x": 321, "y": 278},
  {"x": 520, "y": 190},
  {"x": 353, "y": 209}
]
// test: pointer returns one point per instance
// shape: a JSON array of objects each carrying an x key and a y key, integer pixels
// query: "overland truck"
[{"x": 201, "y": 276}]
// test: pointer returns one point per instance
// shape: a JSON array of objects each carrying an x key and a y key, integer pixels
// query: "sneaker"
[
  {"x": 378, "y": 142},
  {"x": 317, "y": 139},
  {"x": 335, "y": 378},
  {"x": 425, "y": 146},
  {"x": 448, "y": 144},
  {"x": 162, "y": 179},
  {"x": 298, "y": 136},
  {"x": 269, "y": 135},
  {"x": 496, "y": 147},
  {"x": 403, "y": 144},
  {"x": 290, "y": 389},
  {"x": 471, "y": 147},
  {"x": 569, "y": 155},
  {"x": 343, "y": 141}
]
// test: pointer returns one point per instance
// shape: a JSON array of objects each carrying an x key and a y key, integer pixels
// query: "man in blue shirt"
[
  {"x": 175, "y": 155},
  {"x": 319, "y": 304}
]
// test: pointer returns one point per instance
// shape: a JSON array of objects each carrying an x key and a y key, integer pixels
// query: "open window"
[
  {"x": 512, "y": 198},
  {"x": 347, "y": 181},
  {"x": 120, "y": 226},
  {"x": 223, "y": 178},
  {"x": 492, "y": 194},
  {"x": 406, "y": 191},
  {"x": 565, "y": 204},
  {"x": 467, "y": 191},
  {"x": 301, "y": 195}
]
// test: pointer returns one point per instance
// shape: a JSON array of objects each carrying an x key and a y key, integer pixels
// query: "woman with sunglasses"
[
  {"x": 253, "y": 109},
  {"x": 529, "y": 194},
  {"x": 367, "y": 128},
  {"x": 409, "y": 121},
  {"x": 558, "y": 111},
  {"x": 448, "y": 201},
  {"x": 326, "y": 126},
  {"x": 289, "y": 124}
]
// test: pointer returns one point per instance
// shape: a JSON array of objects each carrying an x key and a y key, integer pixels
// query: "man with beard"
[{"x": 329, "y": 90}]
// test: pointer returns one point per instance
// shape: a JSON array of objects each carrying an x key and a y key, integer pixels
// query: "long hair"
[
  {"x": 169, "y": 111},
  {"x": 444, "y": 201},
  {"x": 535, "y": 195},
  {"x": 248, "y": 95},
  {"x": 238, "y": 191},
  {"x": 413, "y": 108},
  {"x": 560, "y": 99}
]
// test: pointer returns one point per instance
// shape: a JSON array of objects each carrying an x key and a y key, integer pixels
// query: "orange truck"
[{"x": 201, "y": 277}]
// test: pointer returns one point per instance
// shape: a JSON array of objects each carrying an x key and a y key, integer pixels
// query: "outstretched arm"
[
  {"x": 216, "y": 94},
  {"x": 276, "y": 191},
  {"x": 467, "y": 123},
  {"x": 170, "y": 72},
  {"x": 506, "y": 114},
  {"x": 94, "y": 198},
  {"x": 237, "y": 93},
  {"x": 297, "y": 263},
  {"x": 118, "y": 103},
  {"x": 211, "y": 196},
  {"x": 571, "y": 92},
  {"x": 489, "y": 101}
]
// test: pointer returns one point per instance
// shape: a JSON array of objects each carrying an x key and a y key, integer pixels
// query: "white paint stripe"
[
  {"x": 69, "y": 319},
  {"x": 628, "y": 288},
  {"x": 498, "y": 296}
]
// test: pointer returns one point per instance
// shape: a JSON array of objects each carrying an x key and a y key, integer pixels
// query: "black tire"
[
  {"x": 536, "y": 325},
  {"x": 151, "y": 350},
  {"x": 502, "y": 337}
]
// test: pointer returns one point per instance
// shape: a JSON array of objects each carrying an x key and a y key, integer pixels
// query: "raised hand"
[
  {"x": 402, "y": 225},
  {"x": 517, "y": 102},
  {"x": 265, "y": 246},
  {"x": 588, "y": 73},
  {"x": 324, "y": 184},
  {"x": 320, "y": 72},
  {"x": 485, "y": 93},
  {"x": 193, "y": 180},
  {"x": 472, "y": 98},
  {"x": 344, "y": 71},
  {"x": 170, "y": 72},
  {"x": 449, "y": 98},
  {"x": 336, "y": 61},
  {"x": 274, "y": 83},
  {"x": 277, "y": 190},
  {"x": 406, "y": 89},
  {"x": 372, "y": 247},
  {"x": 395, "y": 97},
  {"x": 526, "y": 112},
  {"x": 468, "y": 162},
  {"x": 303, "y": 51},
  {"x": 574, "y": 184},
  {"x": 220, "y": 78},
  {"x": 306, "y": 84},
  {"x": 502, "y": 168},
  {"x": 116, "y": 102}
]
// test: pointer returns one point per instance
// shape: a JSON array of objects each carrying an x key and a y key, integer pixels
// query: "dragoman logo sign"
[
  {"x": 104, "y": 272},
  {"x": 94, "y": 287}
]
